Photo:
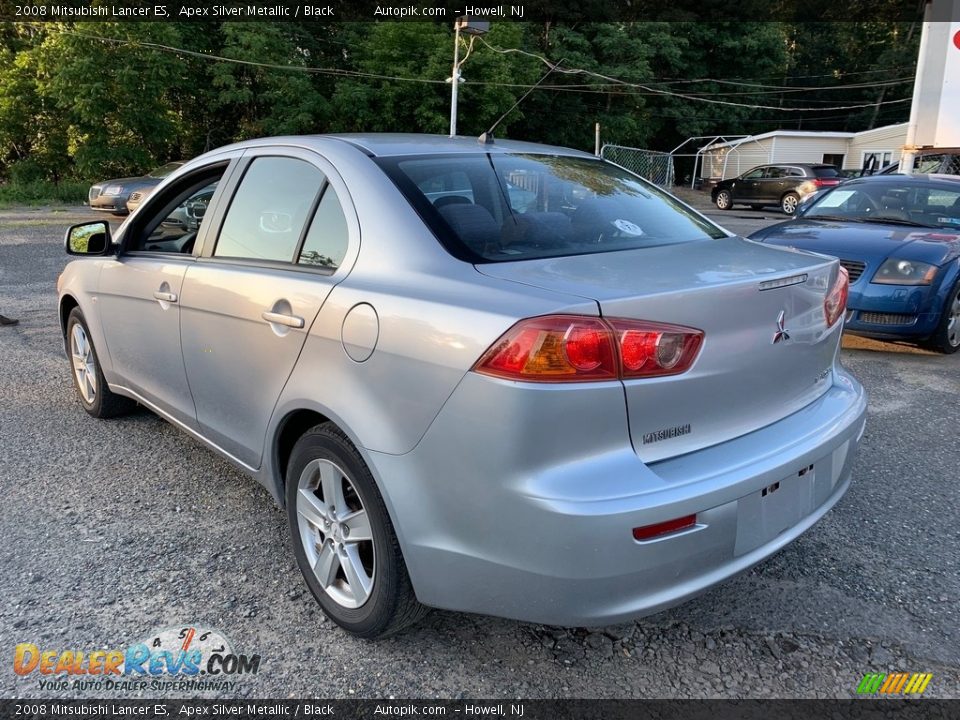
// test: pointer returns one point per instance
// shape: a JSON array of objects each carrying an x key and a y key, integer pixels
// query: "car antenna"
[{"x": 487, "y": 137}]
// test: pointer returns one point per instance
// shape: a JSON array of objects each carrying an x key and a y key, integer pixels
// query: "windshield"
[
  {"x": 164, "y": 170},
  {"x": 926, "y": 204},
  {"x": 497, "y": 207}
]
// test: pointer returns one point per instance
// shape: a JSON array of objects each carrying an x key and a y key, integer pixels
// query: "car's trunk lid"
[{"x": 742, "y": 380}]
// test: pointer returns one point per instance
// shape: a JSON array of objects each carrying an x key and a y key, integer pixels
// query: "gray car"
[
  {"x": 123, "y": 195},
  {"x": 501, "y": 378}
]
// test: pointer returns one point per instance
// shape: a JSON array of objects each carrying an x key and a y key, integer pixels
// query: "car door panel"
[
  {"x": 242, "y": 330},
  {"x": 137, "y": 292},
  {"x": 748, "y": 186},
  {"x": 245, "y": 314}
]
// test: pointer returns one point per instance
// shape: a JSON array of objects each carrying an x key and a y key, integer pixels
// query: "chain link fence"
[{"x": 652, "y": 165}]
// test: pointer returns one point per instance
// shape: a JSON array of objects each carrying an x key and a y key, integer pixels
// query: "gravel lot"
[{"x": 113, "y": 529}]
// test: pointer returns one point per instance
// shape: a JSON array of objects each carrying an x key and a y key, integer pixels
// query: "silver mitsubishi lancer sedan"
[{"x": 494, "y": 377}]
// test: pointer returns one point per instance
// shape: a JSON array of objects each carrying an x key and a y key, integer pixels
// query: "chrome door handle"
[
  {"x": 280, "y": 319},
  {"x": 165, "y": 296}
]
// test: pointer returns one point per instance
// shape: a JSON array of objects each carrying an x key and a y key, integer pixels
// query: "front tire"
[
  {"x": 946, "y": 339},
  {"x": 789, "y": 203},
  {"x": 343, "y": 539},
  {"x": 97, "y": 399},
  {"x": 724, "y": 200}
]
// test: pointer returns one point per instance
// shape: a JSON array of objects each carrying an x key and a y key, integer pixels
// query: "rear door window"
[
  {"x": 269, "y": 210},
  {"x": 326, "y": 243}
]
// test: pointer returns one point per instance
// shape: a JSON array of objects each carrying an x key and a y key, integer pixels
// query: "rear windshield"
[
  {"x": 826, "y": 171},
  {"x": 504, "y": 207}
]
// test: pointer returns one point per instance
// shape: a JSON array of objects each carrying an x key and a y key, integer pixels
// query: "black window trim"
[{"x": 202, "y": 177}]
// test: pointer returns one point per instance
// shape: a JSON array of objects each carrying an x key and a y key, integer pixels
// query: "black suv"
[{"x": 783, "y": 184}]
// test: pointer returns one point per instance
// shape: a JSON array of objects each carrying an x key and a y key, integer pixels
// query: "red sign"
[{"x": 956, "y": 40}]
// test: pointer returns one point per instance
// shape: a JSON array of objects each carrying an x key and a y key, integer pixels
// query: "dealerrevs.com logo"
[{"x": 175, "y": 658}]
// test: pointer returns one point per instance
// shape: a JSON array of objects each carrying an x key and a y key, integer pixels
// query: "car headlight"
[
  {"x": 904, "y": 272},
  {"x": 113, "y": 190}
]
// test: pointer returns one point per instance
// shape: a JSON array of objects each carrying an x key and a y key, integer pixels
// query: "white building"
[{"x": 846, "y": 150}]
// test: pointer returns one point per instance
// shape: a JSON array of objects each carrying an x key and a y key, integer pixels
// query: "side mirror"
[{"x": 91, "y": 238}]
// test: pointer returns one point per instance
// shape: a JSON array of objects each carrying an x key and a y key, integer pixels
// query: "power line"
[
  {"x": 337, "y": 72},
  {"x": 624, "y": 83}
]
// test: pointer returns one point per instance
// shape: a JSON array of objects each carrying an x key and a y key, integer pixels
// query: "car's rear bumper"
[{"x": 488, "y": 526}]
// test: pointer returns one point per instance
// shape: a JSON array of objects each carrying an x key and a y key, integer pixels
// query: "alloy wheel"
[
  {"x": 789, "y": 204},
  {"x": 336, "y": 534},
  {"x": 84, "y": 363},
  {"x": 953, "y": 324}
]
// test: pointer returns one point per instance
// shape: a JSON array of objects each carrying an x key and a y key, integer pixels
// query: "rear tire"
[
  {"x": 789, "y": 203},
  {"x": 94, "y": 395},
  {"x": 946, "y": 339},
  {"x": 724, "y": 200},
  {"x": 343, "y": 539}
]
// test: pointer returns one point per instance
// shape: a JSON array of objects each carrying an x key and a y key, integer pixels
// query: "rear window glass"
[
  {"x": 503, "y": 207},
  {"x": 826, "y": 171}
]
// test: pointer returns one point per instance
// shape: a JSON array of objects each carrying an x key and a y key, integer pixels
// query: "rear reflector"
[{"x": 648, "y": 532}]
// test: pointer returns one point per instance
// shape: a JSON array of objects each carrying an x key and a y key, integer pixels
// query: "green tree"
[{"x": 253, "y": 100}]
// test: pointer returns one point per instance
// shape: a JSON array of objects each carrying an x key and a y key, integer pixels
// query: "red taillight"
[
  {"x": 836, "y": 300},
  {"x": 557, "y": 348},
  {"x": 650, "y": 349},
  {"x": 648, "y": 532},
  {"x": 573, "y": 348},
  {"x": 825, "y": 182}
]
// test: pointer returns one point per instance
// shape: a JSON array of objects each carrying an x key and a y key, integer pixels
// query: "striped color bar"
[{"x": 894, "y": 683}]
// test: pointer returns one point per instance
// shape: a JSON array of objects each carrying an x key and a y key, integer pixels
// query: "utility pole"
[
  {"x": 455, "y": 78},
  {"x": 468, "y": 27}
]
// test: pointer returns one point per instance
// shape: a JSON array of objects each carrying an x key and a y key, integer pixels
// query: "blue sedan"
[{"x": 898, "y": 236}]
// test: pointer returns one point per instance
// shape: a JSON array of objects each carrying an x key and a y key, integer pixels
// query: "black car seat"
[
  {"x": 893, "y": 207},
  {"x": 451, "y": 200},
  {"x": 474, "y": 225}
]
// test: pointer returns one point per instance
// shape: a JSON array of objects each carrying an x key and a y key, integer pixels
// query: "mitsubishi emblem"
[{"x": 781, "y": 334}]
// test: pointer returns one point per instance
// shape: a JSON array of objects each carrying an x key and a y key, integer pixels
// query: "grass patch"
[{"x": 42, "y": 192}]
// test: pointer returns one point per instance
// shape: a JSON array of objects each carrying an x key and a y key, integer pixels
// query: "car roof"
[
  {"x": 912, "y": 178},
  {"x": 394, "y": 144},
  {"x": 793, "y": 164}
]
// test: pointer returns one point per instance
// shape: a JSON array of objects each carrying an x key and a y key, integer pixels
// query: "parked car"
[
  {"x": 898, "y": 236},
  {"x": 122, "y": 195},
  {"x": 576, "y": 403},
  {"x": 782, "y": 185}
]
